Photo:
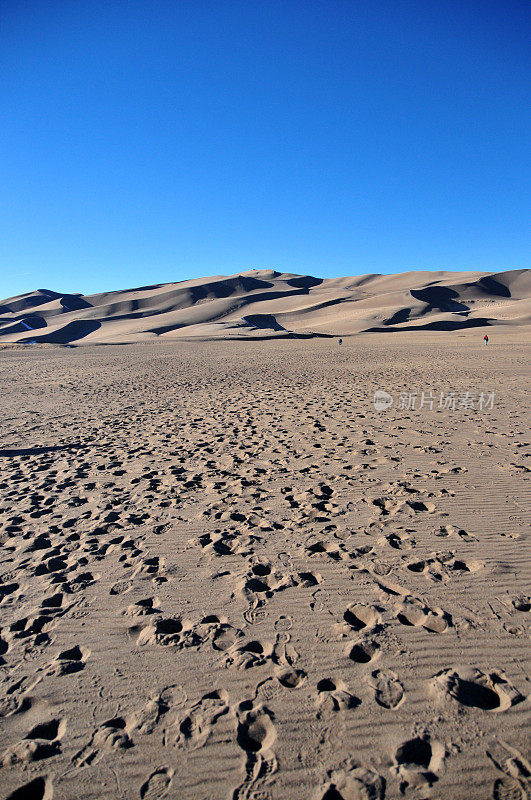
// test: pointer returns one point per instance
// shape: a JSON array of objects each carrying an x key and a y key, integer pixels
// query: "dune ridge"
[{"x": 264, "y": 304}]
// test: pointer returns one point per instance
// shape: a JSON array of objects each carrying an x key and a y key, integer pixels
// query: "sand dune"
[{"x": 262, "y": 304}]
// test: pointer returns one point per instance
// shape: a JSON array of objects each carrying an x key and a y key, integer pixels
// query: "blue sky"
[{"x": 144, "y": 142}]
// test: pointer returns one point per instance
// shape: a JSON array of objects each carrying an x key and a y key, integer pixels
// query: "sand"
[
  {"x": 266, "y": 304},
  {"x": 226, "y": 574}
]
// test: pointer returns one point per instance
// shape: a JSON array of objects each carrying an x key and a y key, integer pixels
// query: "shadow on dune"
[
  {"x": 37, "y": 451},
  {"x": 70, "y": 302},
  {"x": 441, "y": 297},
  {"x": 29, "y": 323},
  {"x": 279, "y": 336},
  {"x": 227, "y": 288},
  {"x": 240, "y": 302},
  {"x": 267, "y": 321},
  {"x": 74, "y": 302},
  {"x": 266, "y": 296},
  {"x": 304, "y": 282},
  {"x": 32, "y": 300},
  {"x": 402, "y": 315},
  {"x": 70, "y": 333},
  {"x": 166, "y": 329},
  {"x": 439, "y": 325},
  {"x": 492, "y": 286}
]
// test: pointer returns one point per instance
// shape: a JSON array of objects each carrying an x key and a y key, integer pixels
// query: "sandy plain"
[{"x": 226, "y": 574}]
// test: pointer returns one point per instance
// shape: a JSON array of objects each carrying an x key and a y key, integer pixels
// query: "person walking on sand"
[
  {"x": 340, "y": 341},
  {"x": 486, "y": 339}
]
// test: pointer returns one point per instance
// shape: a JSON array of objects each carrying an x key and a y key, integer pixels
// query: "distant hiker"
[
  {"x": 340, "y": 341},
  {"x": 486, "y": 339}
]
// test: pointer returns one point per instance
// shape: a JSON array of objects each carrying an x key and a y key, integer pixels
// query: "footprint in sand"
[
  {"x": 38, "y": 789},
  {"x": 261, "y": 582},
  {"x": 250, "y": 654},
  {"x": 516, "y": 771},
  {"x": 169, "y": 632},
  {"x": 158, "y": 784},
  {"x": 80, "y": 582},
  {"x": 151, "y": 568},
  {"x": 443, "y": 566},
  {"x": 225, "y": 637},
  {"x": 473, "y": 688},
  {"x": 290, "y": 678},
  {"x": 43, "y": 741},
  {"x": 255, "y": 735},
  {"x": 508, "y": 789},
  {"x": 388, "y": 691},
  {"x": 256, "y": 732},
  {"x": 256, "y": 653},
  {"x": 7, "y": 591},
  {"x": 143, "y": 608},
  {"x": 69, "y": 661},
  {"x": 522, "y": 603},
  {"x": 418, "y": 762},
  {"x": 254, "y": 616},
  {"x": 360, "y": 616},
  {"x": 414, "y": 613},
  {"x": 16, "y": 698},
  {"x": 121, "y": 587},
  {"x": 333, "y": 695},
  {"x": 398, "y": 541},
  {"x": 309, "y": 579},
  {"x": 363, "y": 651},
  {"x": 319, "y": 600},
  {"x": 390, "y": 507},
  {"x": 284, "y": 654},
  {"x": 4, "y": 648},
  {"x": 451, "y": 530},
  {"x": 110, "y": 735},
  {"x": 194, "y": 728},
  {"x": 53, "y": 605},
  {"x": 283, "y": 624},
  {"x": 149, "y": 716},
  {"x": 228, "y": 543},
  {"x": 34, "y": 629},
  {"x": 267, "y": 690},
  {"x": 355, "y": 784},
  {"x": 333, "y": 550}
]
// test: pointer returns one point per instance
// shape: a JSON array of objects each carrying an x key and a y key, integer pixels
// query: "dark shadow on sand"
[
  {"x": 37, "y": 451},
  {"x": 70, "y": 333},
  {"x": 439, "y": 325}
]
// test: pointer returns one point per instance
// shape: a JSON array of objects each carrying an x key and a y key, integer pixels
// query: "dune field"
[
  {"x": 242, "y": 562},
  {"x": 264, "y": 304}
]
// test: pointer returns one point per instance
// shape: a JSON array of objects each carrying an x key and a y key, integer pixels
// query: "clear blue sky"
[{"x": 155, "y": 141}]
